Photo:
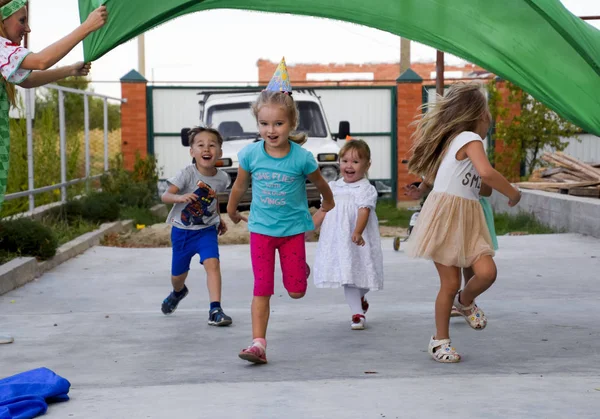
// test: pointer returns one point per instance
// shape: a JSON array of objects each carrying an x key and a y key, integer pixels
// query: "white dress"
[{"x": 339, "y": 261}]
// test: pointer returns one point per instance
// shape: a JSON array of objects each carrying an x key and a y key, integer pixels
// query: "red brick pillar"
[
  {"x": 134, "y": 118},
  {"x": 409, "y": 97},
  {"x": 504, "y": 156}
]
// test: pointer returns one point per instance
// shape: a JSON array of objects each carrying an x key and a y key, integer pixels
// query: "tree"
[{"x": 534, "y": 130}]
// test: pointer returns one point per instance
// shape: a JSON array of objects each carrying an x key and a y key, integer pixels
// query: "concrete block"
[
  {"x": 17, "y": 272},
  {"x": 565, "y": 213},
  {"x": 20, "y": 271},
  {"x": 160, "y": 210}
]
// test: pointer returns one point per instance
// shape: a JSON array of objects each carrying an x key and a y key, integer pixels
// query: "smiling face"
[
  {"x": 274, "y": 126},
  {"x": 353, "y": 167},
  {"x": 16, "y": 26},
  {"x": 205, "y": 148}
]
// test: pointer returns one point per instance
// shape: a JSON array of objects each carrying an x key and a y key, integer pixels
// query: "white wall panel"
[
  {"x": 367, "y": 110},
  {"x": 174, "y": 109}
]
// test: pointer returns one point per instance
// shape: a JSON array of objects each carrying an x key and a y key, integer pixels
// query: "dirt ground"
[{"x": 159, "y": 235}]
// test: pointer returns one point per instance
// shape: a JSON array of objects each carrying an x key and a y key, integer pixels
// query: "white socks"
[{"x": 353, "y": 296}]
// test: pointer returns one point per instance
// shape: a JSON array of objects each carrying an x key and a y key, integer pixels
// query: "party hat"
[{"x": 281, "y": 79}]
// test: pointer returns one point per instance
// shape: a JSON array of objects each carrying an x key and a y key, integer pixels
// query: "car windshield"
[{"x": 235, "y": 120}]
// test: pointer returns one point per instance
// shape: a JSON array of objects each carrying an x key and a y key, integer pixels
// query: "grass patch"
[
  {"x": 67, "y": 230},
  {"x": 6, "y": 256},
  {"x": 140, "y": 216},
  {"x": 522, "y": 222},
  {"x": 393, "y": 217}
]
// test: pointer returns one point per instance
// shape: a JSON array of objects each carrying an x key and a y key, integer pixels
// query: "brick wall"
[
  {"x": 134, "y": 124},
  {"x": 505, "y": 162},
  {"x": 409, "y": 98},
  {"x": 384, "y": 73}
]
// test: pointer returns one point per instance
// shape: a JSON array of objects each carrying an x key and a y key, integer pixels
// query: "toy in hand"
[{"x": 194, "y": 212}]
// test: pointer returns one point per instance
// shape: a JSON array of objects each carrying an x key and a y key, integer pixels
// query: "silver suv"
[{"x": 229, "y": 112}]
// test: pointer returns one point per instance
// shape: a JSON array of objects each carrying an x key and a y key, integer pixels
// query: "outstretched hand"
[
  {"x": 413, "y": 192},
  {"x": 515, "y": 199},
  {"x": 236, "y": 217},
  {"x": 80, "y": 69},
  {"x": 96, "y": 19}
]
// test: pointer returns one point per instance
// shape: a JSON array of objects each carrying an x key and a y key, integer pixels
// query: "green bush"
[
  {"x": 100, "y": 207},
  {"x": 97, "y": 207},
  {"x": 137, "y": 188},
  {"x": 27, "y": 238}
]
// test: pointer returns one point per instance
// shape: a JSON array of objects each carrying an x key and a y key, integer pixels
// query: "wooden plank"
[
  {"x": 555, "y": 185},
  {"x": 585, "y": 168},
  {"x": 553, "y": 171},
  {"x": 587, "y": 192}
]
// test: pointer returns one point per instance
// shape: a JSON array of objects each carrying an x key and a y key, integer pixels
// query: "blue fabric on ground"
[{"x": 26, "y": 395}]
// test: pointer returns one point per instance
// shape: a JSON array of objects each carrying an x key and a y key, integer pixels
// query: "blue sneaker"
[
  {"x": 170, "y": 303},
  {"x": 216, "y": 317}
]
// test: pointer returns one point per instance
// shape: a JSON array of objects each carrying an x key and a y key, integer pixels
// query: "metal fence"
[{"x": 94, "y": 160}]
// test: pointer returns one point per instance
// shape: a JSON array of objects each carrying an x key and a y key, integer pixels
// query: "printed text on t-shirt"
[
  {"x": 472, "y": 181},
  {"x": 272, "y": 194}
]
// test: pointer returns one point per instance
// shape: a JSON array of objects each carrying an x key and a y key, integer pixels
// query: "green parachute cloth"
[{"x": 537, "y": 44}]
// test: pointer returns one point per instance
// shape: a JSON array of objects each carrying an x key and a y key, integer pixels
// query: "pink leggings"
[{"x": 292, "y": 255}]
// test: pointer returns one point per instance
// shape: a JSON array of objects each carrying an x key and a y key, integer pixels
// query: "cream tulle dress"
[{"x": 451, "y": 228}]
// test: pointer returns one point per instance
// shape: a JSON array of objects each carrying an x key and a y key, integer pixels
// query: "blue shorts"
[{"x": 187, "y": 243}]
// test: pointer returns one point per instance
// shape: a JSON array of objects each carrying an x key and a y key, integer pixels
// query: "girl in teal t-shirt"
[{"x": 278, "y": 167}]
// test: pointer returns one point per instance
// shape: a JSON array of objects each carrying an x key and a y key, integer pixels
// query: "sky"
[{"x": 224, "y": 45}]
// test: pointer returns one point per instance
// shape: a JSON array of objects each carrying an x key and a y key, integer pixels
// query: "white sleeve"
[
  {"x": 11, "y": 57},
  {"x": 367, "y": 197},
  {"x": 462, "y": 139}
]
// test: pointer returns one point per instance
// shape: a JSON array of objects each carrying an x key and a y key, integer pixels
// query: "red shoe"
[
  {"x": 254, "y": 353},
  {"x": 365, "y": 304},
  {"x": 307, "y": 271},
  {"x": 358, "y": 322}
]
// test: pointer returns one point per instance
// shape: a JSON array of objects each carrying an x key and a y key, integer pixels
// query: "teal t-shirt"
[{"x": 279, "y": 206}]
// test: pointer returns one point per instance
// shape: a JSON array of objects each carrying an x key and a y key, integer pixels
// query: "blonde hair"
[
  {"x": 285, "y": 101},
  {"x": 360, "y": 146},
  {"x": 460, "y": 110},
  {"x": 11, "y": 90}
]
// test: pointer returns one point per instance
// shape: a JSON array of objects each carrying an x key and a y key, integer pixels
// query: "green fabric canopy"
[{"x": 537, "y": 44}]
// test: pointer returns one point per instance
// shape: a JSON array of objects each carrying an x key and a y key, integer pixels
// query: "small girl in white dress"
[{"x": 349, "y": 250}]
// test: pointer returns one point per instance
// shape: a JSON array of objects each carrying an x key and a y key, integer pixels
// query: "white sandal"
[
  {"x": 474, "y": 316},
  {"x": 442, "y": 351},
  {"x": 6, "y": 339}
]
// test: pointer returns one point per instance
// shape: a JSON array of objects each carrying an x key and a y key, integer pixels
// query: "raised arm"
[
  {"x": 52, "y": 54},
  {"x": 490, "y": 176},
  {"x": 40, "y": 78},
  {"x": 171, "y": 196}
]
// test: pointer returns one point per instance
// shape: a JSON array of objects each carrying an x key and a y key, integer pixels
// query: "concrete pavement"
[{"x": 96, "y": 321}]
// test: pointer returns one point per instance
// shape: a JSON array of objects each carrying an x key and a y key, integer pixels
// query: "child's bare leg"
[
  {"x": 449, "y": 286},
  {"x": 178, "y": 281},
  {"x": 467, "y": 275},
  {"x": 485, "y": 275},
  {"x": 261, "y": 308},
  {"x": 213, "y": 278}
]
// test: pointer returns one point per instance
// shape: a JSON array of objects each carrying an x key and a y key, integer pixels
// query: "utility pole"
[
  {"x": 26, "y": 39},
  {"x": 439, "y": 73},
  {"x": 404, "y": 54},
  {"x": 141, "y": 55}
]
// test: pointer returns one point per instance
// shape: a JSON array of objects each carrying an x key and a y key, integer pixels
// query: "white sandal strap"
[{"x": 260, "y": 345}]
